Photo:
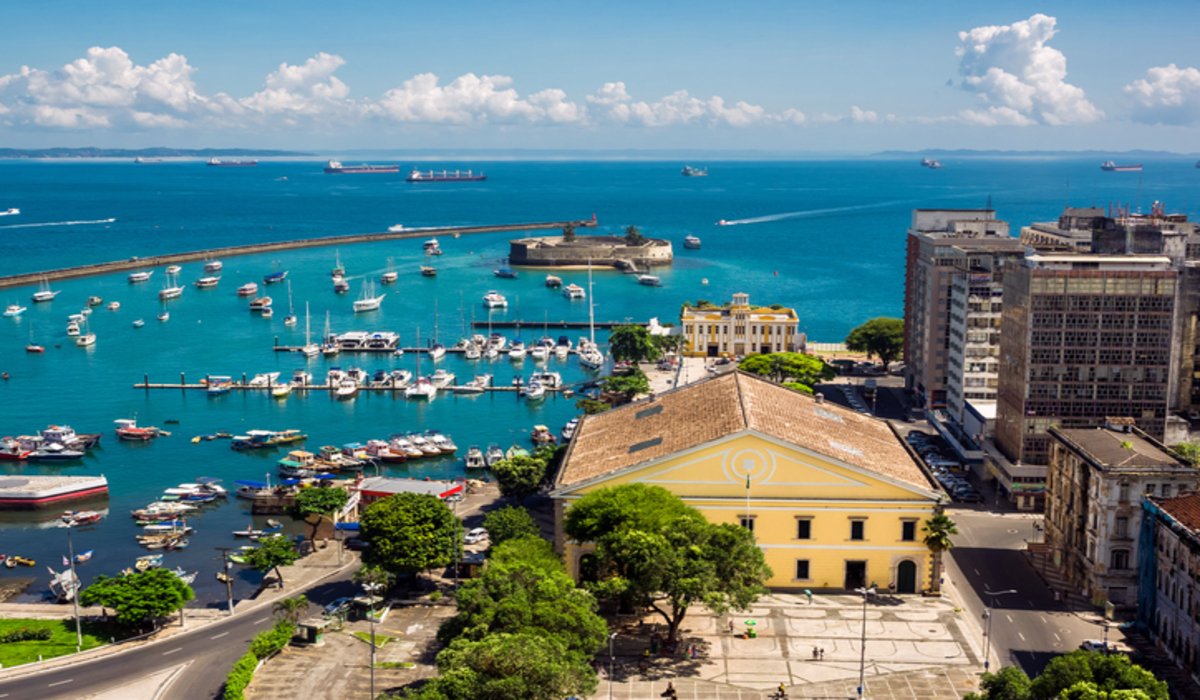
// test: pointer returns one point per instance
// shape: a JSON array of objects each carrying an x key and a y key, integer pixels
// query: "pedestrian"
[
  {"x": 731, "y": 625},
  {"x": 822, "y": 653},
  {"x": 815, "y": 653}
]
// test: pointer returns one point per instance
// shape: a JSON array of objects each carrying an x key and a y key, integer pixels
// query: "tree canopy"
[
  {"x": 654, "y": 550},
  {"x": 520, "y": 476},
  {"x": 505, "y": 666},
  {"x": 139, "y": 598},
  {"x": 1079, "y": 675},
  {"x": 290, "y": 610},
  {"x": 791, "y": 367},
  {"x": 591, "y": 407},
  {"x": 410, "y": 532},
  {"x": 509, "y": 523},
  {"x": 633, "y": 236},
  {"x": 271, "y": 554},
  {"x": 633, "y": 343},
  {"x": 880, "y": 337},
  {"x": 624, "y": 389},
  {"x": 319, "y": 501},
  {"x": 525, "y": 588}
]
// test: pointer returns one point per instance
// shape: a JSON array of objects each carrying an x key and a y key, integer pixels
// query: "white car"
[{"x": 475, "y": 536}]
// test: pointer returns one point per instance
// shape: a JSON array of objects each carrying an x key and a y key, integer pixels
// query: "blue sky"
[{"x": 792, "y": 76}]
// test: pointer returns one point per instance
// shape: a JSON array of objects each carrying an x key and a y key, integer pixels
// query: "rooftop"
[
  {"x": 1119, "y": 450},
  {"x": 1184, "y": 509},
  {"x": 392, "y": 485},
  {"x": 726, "y": 405}
]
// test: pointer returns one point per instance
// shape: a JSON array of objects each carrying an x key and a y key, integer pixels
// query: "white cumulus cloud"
[
  {"x": 1020, "y": 78},
  {"x": 1168, "y": 95},
  {"x": 474, "y": 99}
]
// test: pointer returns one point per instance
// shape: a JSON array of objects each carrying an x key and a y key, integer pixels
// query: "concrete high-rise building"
[
  {"x": 943, "y": 244},
  {"x": 1083, "y": 337}
]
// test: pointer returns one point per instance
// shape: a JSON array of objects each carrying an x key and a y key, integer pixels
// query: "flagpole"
[{"x": 749, "y": 523}]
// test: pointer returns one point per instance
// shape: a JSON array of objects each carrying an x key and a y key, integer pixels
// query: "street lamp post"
[
  {"x": 862, "y": 656},
  {"x": 987, "y": 634},
  {"x": 611, "y": 637},
  {"x": 370, "y": 588},
  {"x": 73, "y": 586}
]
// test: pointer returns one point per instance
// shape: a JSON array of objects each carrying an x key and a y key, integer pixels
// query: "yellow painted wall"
[{"x": 786, "y": 485}]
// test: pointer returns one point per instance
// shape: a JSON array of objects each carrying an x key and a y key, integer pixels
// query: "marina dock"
[
  {"x": 562, "y": 325},
  {"x": 33, "y": 278},
  {"x": 244, "y": 386}
]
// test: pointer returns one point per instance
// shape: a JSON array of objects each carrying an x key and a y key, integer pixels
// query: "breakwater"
[{"x": 139, "y": 263}]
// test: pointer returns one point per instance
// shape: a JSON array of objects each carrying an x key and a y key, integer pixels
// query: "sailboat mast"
[
  {"x": 307, "y": 324},
  {"x": 418, "y": 352},
  {"x": 591, "y": 306}
]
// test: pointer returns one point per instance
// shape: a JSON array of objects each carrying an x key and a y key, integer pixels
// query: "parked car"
[
  {"x": 356, "y": 544},
  {"x": 338, "y": 606},
  {"x": 475, "y": 536},
  {"x": 967, "y": 495}
]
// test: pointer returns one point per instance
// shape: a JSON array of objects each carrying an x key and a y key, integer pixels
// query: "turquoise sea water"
[{"x": 826, "y": 237}]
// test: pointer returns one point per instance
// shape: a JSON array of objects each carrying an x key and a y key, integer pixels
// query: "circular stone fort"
[{"x": 615, "y": 251}]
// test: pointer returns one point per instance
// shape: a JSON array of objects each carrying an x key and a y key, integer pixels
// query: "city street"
[{"x": 1028, "y": 627}]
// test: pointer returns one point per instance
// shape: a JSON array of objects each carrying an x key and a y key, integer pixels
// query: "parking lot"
[{"x": 945, "y": 467}]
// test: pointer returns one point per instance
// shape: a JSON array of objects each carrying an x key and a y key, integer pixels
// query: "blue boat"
[
  {"x": 275, "y": 277},
  {"x": 505, "y": 273}
]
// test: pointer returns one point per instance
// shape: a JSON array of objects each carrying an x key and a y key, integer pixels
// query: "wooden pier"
[
  {"x": 243, "y": 386},
  {"x": 137, "y": 263}
]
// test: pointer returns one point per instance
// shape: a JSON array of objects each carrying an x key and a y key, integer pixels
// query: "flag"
[{"x": 66, "y": 562}]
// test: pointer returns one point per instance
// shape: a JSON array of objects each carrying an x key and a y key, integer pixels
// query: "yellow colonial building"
[
  {"x": 835, "y": 499},
  {"x": 739, "y": 329}
]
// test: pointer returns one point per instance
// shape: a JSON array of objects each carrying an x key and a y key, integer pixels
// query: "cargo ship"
[
  {"x": 689, "y": 171},
  {"x": 218, "y": 163},
  {"x": 445, "y": 176},
  {"x": 334, "y": 167},
  {"x": 1110, "y": 167},
  {"x": 28, "y": 492}
]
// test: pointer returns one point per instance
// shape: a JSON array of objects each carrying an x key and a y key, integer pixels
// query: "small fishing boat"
[
  {"x": 505, "y": 273},
  {"x": 213, "y": 266},
  {"x": 13, "y": 561},
  {"x": 691, "y": 242},
  {"x": 81, "y": 517},
  {"x": 14, "y": 310},
  {"x": 248, "y": 289},
  {"x": 127, "y": 429},
  {"x": 114, "y": 305},
  {"x": 136, "y": 277},
  {"x": 260, "y": 303},
  {"x": 174, "y": 270},
  {"x": 428, "y": 271},
  {"x": 207, "y": 282},
  {"x": 553, "y": 281},
  {"x": 94, "y": 301},
  {"x": 390, "y": 276},
  {"x": 494, "y": 454},
  {"x": 275, "y": 277},
  {"x": 649, "y": 280},
  {"x": 541, "y": 435}
]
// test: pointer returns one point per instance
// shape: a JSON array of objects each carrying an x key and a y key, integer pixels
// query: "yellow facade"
[
  {"x": 790, "y": 485},
  {"x": 739, "y": 329}
]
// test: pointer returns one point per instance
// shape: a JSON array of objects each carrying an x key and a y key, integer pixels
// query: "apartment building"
[{"x": 1169, "y": 577}]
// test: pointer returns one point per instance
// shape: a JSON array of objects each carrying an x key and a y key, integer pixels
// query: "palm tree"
[
  {"x": 938, "y": 530},
  {"x": 290, "y": 609},
  {"x": 633, "y": 236}
]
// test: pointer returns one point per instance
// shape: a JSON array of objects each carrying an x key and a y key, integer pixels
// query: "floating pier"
[
  {"x": 562, "y": 325},
  {"x": 138, "y": 263},
  {"x": 244, "y": 386}
]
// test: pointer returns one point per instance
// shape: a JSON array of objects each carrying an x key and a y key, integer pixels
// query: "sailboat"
[
  {"x": 339, "y": 270},
  {"x": 436, "y": 351},
  {"x": 368, "y": 301},
  {"x": 172, "y": 290},
  {"x": 591, "y": 357},
  {"x": 33, "y": 347},
  {"x": 290, "y": 319},
  {"x": 86, "y": 338},
  {"x": 421, "y": 387},
  {"x": 44, "y": 293},
  {"x": 391, "y": 275},
  {"x": 310, "y": 348},
  {"x": 329, "y": 346}
]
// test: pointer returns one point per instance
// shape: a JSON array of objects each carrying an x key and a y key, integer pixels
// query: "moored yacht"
[
  {"x": 44, "y": 293},
  {"x": 442, "y": 379},
  {"x": 207, "y": 282},
  {"x": 553, "y": 281},
  {"x": 574, "y": 291},
  {"x": 422, "y": 388},
  {"x": 517, "y": 350},
  {"x": 213, "y": 266},
  {"x": 495, "y": 300},
  {"x": 368, "y": 300},
  {"x": 14, "y": 310},
  {"x": 143, "y": 276},
  {"x": 172, "y": 290},
  {"x": 260, "y": 303},
  {"x": 474, "y": 459},
  {"x": 248, "y": 289}
]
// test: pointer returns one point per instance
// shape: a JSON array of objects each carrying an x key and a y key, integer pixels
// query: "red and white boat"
[
  {"x": 127, "y": 429},
  {"x": 81, "y": 517},
  {"x": 13, "y": 451}
]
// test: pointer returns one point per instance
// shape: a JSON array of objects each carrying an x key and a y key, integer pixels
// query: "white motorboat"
[
  {"x": 368, "y": 300},
  {"x": 207, "y": 282},
  {"x": 533, "y": 391},
  {"x": 261, "y": 303},
  {"x": 574, "y": 291},
  {"x": 164, "y": 316},
  {"x": 265, "y": 379},
  {"x": 550, "y": 380},
  {"x": 474, "y": 459},
  {"x": 472, "y": 352},
  {"x": 649, "y": 280},
  {"x": 213, "y": 266},
  {"x": 691, "y": 242},
  {"x": 590, "y": 356},
  {"x": 143, "y": 276},
  {"x": 399, "y": 378},
  {"x": 391, "y": 275},
  {"x": 437, "y": 351},
  {"x": 568, "y": 430},
  {"x": 139, "y": 323},
  {"x": 424, "y": 445},
  {"x": 72, "y": 328},
  {"x": 540, "y": 353},
  {"x": 281, "y": 391},
  {"x": 14, "y": 310},
  {"x": 442, "y": 379},
  {"x": 114, "y": 305},
  {"x": 174, "y": 270},
  {"x": 248, "y": 289},
  {"x": 441, "y": 441},
  {"x": 86, "y": 339},
  {"x": 517, "y": 351},
  {"x": 340, "y": 285},
  {"x": 346, "y": 389},
  {"x": 401, "y": 445},
  {"x": 422, "y": 388},
  {"x": 495, "y": 300},
  {"x": 497, "y": 342}
]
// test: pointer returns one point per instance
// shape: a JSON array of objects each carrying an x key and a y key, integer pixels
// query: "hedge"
[
  {"x": 25, "y": 634},
  {"x": 240, "y": 677}
]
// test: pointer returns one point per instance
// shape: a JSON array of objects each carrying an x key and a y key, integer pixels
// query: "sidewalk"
[{"x": 304, "y": 573}]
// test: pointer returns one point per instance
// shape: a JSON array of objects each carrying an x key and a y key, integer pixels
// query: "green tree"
[
  {"x": 271, "y": 554},
  {"x": 525, "y": 588},
  {"x": 881, "y": 337},
  {"x": 1108, "y": 673},
  {"x": 633, "y": 343},
  {"x": 591, "y": 407},
  {"x": 624, "y": 389},
  {"x": 633, "y": 236},
  {"x": 520, "y": 476},
  {"x": 139, "y": 598},
  {"x": 290, "y": 610},
  {"x": 1189, "y": 451},
  {"x": 1009, "y": 683},
  {"x": 938, "y": 530},
  {"x": 568, "y": 233},
  {"x": 654, "y": 550},
  {"x": 410, "y": 532},
  {"x": 505, "y": 666},
  {"x": 319, "y": 502},
  {"x": 374, "y": 577},
  {"x": 793, "y": 367},
  {"x": 509, "y": 523}
]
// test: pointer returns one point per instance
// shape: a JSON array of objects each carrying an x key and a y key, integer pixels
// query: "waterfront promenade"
[{"x": 139, "y": 263}]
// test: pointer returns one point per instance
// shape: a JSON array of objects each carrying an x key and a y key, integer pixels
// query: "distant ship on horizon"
[
  {"x": 1110, "y": 167},
  {"x": 218, "y": 163},
  {"x": 689, "y": 171},
  {"x": 445, "y": 176},
  {"x": 931, "y": 163},
  {"x": 334, "y": 167}
]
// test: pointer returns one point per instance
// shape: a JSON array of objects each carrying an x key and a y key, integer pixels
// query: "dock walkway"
[{"x": 137, "y": 263}]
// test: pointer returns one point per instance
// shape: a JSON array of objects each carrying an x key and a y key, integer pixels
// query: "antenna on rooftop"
[{"x": 989, "y": 203}]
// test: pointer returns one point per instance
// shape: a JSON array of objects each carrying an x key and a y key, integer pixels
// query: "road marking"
[
  {"x": 218, "y": 636},
  {"x": 172, "y": 651},
  {"x": 259, "y": 622},
  {"x": 1057, "y": 637},
  {"x": 977, "y": 572},
  {"x": 1043, "y": 619},
  {"x": 69, "y": 680},
  {"x": 1021, "y": 636},
  {"x": 1030, "y": 601},
  {"x": 1008, "y": 616}
]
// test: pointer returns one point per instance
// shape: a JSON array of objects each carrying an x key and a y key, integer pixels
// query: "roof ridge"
[{"x": 737, "y": 383}]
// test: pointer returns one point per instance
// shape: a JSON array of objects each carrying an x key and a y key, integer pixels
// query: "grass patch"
[
  {"x": 62, "y": 640},
  {"x": 395, "y": 664},
  {"x": 380, "y": 639}
]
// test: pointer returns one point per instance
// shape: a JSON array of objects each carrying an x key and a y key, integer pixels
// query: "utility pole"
[
  {"x": 73, "y": 585},
  {"x": 987, "y": 614},
  {"x": 226, "y": 566}
]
